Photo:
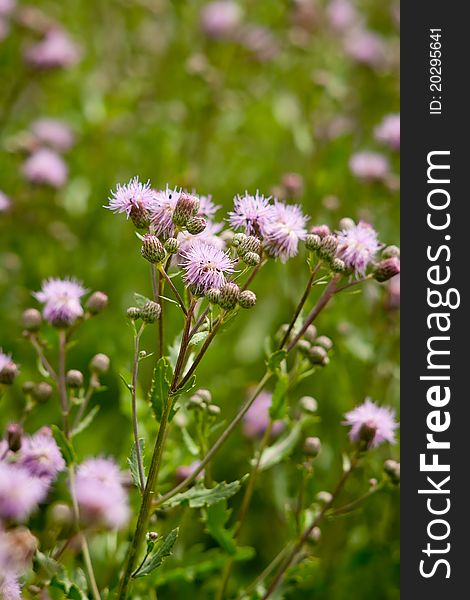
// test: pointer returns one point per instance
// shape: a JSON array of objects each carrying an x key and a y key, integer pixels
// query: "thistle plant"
[{"x": 207, "y": 269}]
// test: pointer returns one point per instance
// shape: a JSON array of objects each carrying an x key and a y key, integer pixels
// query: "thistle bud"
[
  {"x": 328, "y": 247},
  {"x": 391, "y": 251},
  {"x": 311, "y": 334},
  {"x": 251, "y": 259},
  {"x": 152, "y": 249},
  {"x": 346, "y": 223},
  {"x": 97, "y": 302},
  {"x": 150, "y": 312},
  {"x": 152, "y": 536},
  {"x": 314, "y": 536},
  {"x": 392, "y": 468},
  {"x": 172, "y": 245},
  {"x": 320, "y": 230},
  {"x": 318, "y": 355},
  {"x": 27, "y": 387},
  {"x": 42, "y": 391},
  {"x": 14, "y": 436},
  {"x": 32, "y": 319},
  {"x": 99, "y": 364},
  {"x": 238, "y": 238},
  {"x": 312, "y": 446},
  {"x": 186, "y": 207},
  {"x": 249, "y": 244},
  {"x": 324, "y": 342},
  {"x": 133, "y": 313},
  {"x": 203, "y": 395},
  {"x": 229, "y": 294},
  {"x": 8, "y": 373},
  {"x": 74, "y": 378},
  {"x": 213, "y": 410},
  {"x": 386, "y": 269},
  {"x": 140, "y": 216},
  {"x": 196, "y": 225},
  {"x": 213, "y": 295},
  {"x": 247, "y": 299},
  {"x": 338, "y": 265},
  {"x": 304, "y": 346},
  {"x": 61, "y": 514},
  {"x": 308, "y": 404},
  {"x": 324, "y": 497},
  {"x": 312, "y": 242}
]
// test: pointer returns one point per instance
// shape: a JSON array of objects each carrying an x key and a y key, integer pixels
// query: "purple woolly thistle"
[
  {"x": 20, "y": 493},
  {"x": 388, "y": 131},
  {"x": 100, "y": 494},
  {"x": 379, "y": 420},
  {"x": 61, "y": 299},
  {"x": 41, "y": 456},
  {"x": 162, "y": 211},
  {"x": 256, "y": 418},
  {"x": 45, "y": 167},
  {"x": 286, "y": 227},
  {"x": 357, "y": 247},
  {"x": 132, "y": 196},
  {"x": 205, "y": 266},
  {"x": 54, "y": 133},
  {"x": 55, "y": 50},
  {"x": 207, "y": 208},
  {"x": 9, "y": 587},
  {"x": 251, "y": 213}
]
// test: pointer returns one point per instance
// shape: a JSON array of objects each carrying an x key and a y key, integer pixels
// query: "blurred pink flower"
[
  {"x": 220, "y": 19},
  {"x": 54, "y": 133},
  {"x": 369, "y": 166},
  {"x": 45, "y": 167},
  {"x": 365, "y": 47},
  {"x": 55, "y": 50},
  {"x": 5, "y": 202},
  {"x": 256, "y": 418},
  {"x": 388, "y": 131}
]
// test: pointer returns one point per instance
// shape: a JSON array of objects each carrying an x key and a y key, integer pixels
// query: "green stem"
[
  {"x": 167, "y": 278},
  {"x": 135, "y": 423},
  {"x": 64, "y": 403}
]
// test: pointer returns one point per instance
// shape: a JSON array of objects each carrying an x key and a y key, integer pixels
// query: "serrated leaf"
[
  {"x": 189, "y": 442},
  {"x": 277, "y": 452},
  {"x": 162, "y": 551},
  {"x": 64, "y": 444},
  {"x": 275, "y": 359},
  {"x": 46, "y": 563},
  {"x": 140, "y": 300},
  {"x": 278, "y": 408},
  {"x": 160, "y": 386},
  {"x": 86, "y": 421},
  {"x": 216, "y": 517},
  {"x": 133, "y": 462},
  {"x": 199, "y": 496}
]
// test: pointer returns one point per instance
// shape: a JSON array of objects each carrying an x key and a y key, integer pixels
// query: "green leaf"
[
  {"x": 128, "y": 385},
  {"x": 275, "y": 359},
  {"x": 216, "y": 517},
  {"x": 184, "y": 390},
  {"x": 140, "y": 300},
  {"x": 86, "y": 421},
  {"x": 160, "y": 386},
  {"x": 133, "y": 462},
  {"x": 198, "y": 338},
  {"x": 277, "y": 452},
  {"x": 189, "y": 442},
  {"x": 199, "y": 496},
  {"x": 64, "y": 444},
  {"x": 162, "y": 551},
  {"x": 278, "y": 408}
]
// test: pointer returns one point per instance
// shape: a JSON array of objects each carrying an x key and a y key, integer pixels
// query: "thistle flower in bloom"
[
  {"x": 379, "y": 420},
  {"x": 365, "y": 47},
  {"x": 54, "y": 133},
  {"x": 369, "y": 166},
  {"x": 162, "y": 211},
  {"x": 101, "y": 497},
  {"x": 135, "y": 199},
  {"x": 251, "y": 213},
  {"x": 341, "y": 14},
  {"x": 357, "y": 246},
  {"x": 55, "y": 50},
  {"x": 5, "y": 202},
  {"x": 284, "y": 230},
  {"x": 208, "y": 236},
  {"x": 8, "y": 369},
  {"x": 20, "y": 493},
  {"x": 45, "y": 167},
  {"x": 256, "y": 418},
  {"x": 388, "y": 131},
  {"x": 219, "y": 19},
  {"x": 207, "y": 208},
  {"x": 9, "y": 587},
  {"x": 205, "y": 266},
  {"x": 184, "y": 471},
  {"x": 61, "y": 299},
  {"x": 41, "y": 456},
  {"x": 7, "y": 7}
]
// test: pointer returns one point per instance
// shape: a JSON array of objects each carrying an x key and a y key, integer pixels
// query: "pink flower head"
[
  {"x": 369, "y": 166},
  {"x": 55, "y": 50},
  {"x": 61, "y": 299},
  {"x": 184, "y": 471},
  {"x": 388, "y": 131},
  {"x": 162, "y": 211},
  {"x": 101, "y": 497},
  {"x": 256, "y": 418},
  {"x": 284, "y": 230},
  {"x": 45, "y": 167},
  {"x": 132, "y": 196},
  {"x": 9, "y": 587},
  {"x": 251, "y": 213},
  {"x": 357, "y": 246},
  {"x": 205, "y": 266},
  {"x": 54, "y": 133},
  {"x": 20, "y": 493},
  {"x": 342, "y": 15},
  {"x": 41, "y": 456},
  {"x": 365, "y": 47},
  {"x": 375, "y": 418},
  {"x": 7, "y": 7},
  {"x": 207, "y": 208},
  {"x": 220, "y": 19},
  {"x": 5, "y": 360},
  {"x": 5, "y": 202}
]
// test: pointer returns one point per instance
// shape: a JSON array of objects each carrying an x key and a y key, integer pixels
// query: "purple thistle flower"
[
  {"x": 9, "y": 587},
  {"x": 20, "y": 493},
  {"x": 342, "y": 15},
  {"x": 61, "y": 299},
  {"x": 55, "y": 50},
  {"x": 380, "y": 420},
  {"x": 369, "y": 166},
  {"x": 388, "y": 131},
  {"x": 41, "y": 456},
  {"x": 5, "y": 202},
  {"x": 205, "y": 266},
  {"x": 5, "y": 360},
  {"x": 207, "y": 208},
  {"x": 365, "y": 47},
  {"x": 256, "y": 418},
  {"x": 357, "y": 246},
  {"x": 45, "y": 167},
  {"x": 284, "y": 230},
  {"x": 7, "y": 7},
  {"x": 251, "y": 213},
  {"x": 162, "y": 211},
  {"x": 54, "y": 133},
  {"x": 100, "y": 494},
  {"x": 219, "y": 19},
  {"x": 132, "y": 196},
  {"x": 184, "y": 471}
]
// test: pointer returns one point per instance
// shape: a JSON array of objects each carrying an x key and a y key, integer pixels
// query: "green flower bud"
[
  {"x": 74, "y": 378},
  {"x": 308, "y": 404},
  {"x": 312, "y": 242},
  {"x": 338, "y": 265},
  {"x": 238, "y": 238},
  {"x": 8, "y": 373},
  {"x": 346, "y": 223},
  {"x": 213, "y": 295},
  {"x": 324, "y": 342},
  {"x": 97, "y": 302},
  {"x": 310, "y": 334},
  {"x": 186, "y": 207},
  {"x": 133, "y": 313},
  {"x": 172, "y": 245},
  {"x": 32, "y": 319},
  {"x": 249, "y": 244},
  {"x": 251, "y": 259},
  {"x": 392, "y": 468},
  {"x": 150, "y": 312},
  {"x": 152, "y": 249},
  {"x": 229, "y": 294},
  {"x": 391, "y": 251},
  {"x": 312, "y": 446},
  {"x": 318, "y": 355},
  {"x": 247, "y": 299},
  {"x": 140, "y": 216},
  {"x": 196, "y": 225},
  {"x": 42, "y": 391},
  {"x": 99, "y": 364},
  {"x": 328, "y": 247}
]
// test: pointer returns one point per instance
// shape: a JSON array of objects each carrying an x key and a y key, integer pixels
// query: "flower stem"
[
  {"x": 167, "y": 278},
  {"x": 135, "y": 424},
  {"x": 64, "y": 403}
]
